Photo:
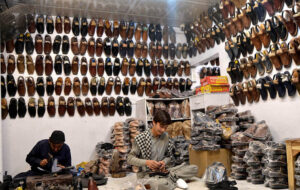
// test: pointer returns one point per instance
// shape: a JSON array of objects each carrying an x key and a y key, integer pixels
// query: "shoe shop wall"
[
  {"x": 19, "y": 135},
  {"x": 281, "y": 113}
]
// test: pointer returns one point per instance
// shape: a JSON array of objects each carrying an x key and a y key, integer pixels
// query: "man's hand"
[
  {"x": 61, "y": 166},
  {"x": 152, "y": 164},
  {"x": 162, "y": 166},
  {"x": 44, "y": 162}
]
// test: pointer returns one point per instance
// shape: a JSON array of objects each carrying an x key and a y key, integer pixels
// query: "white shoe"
[{"x": 181, "y": 184}]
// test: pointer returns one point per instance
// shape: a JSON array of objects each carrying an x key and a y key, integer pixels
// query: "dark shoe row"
[
  {"x": 111, "y": 29},
  {"x": 281, "y": 84},
  {"x": 108, "y": 106},
  {"x": 131, "y": 66},
  {"x": 209, "y": 71},
  {"x": 95, "y": 87}
]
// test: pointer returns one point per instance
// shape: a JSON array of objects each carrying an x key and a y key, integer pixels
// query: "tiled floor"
[{"x": 196, "y": 184}]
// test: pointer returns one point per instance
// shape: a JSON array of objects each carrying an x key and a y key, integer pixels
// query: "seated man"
[
  {"x": 152, "y": 150},
  {"x": 43, "y": 154}
]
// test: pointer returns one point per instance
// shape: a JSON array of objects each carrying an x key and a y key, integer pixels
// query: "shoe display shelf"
[
  {"x": 144, "y": 113},
  {"x": 292, "y": 151}
]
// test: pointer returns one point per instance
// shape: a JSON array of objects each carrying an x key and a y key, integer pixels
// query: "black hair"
[
  {"x": 57, "y": 137},
  {"x": 162, "y": 117}
]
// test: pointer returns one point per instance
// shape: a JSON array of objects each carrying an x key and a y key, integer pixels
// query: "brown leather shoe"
[
  {"x": 152, "y": 50},
  {"x": 253, "y": 90},
  {"x": 144, "y": 50},
  {"x": 284, "y": 55},
  {"x": 104, "y": 106},
  {"x": 39, "y": 65},
  {"x": 93, "y": 67},
  {"x": 155, "y": 84},
  {"x": 91, "y": 47},
  {"x": 31, "y": 23},
  {"x": 47, "y": 44},
  {"x": 10, "y": 46},
  {"x": 30, "y": 86},
  {"x": 289, "y": 22},
  {"x": 138, "y": 32},
  {"x": 70, "y": 106},
  {"x": 116, "y": 29},
  {"x": 67, "y": 25},
  {"x": 109, "y": 85},
  {"x": 67, "y": 86},
  {"x": 100, "y": 27},
  {"x": 274, "y": 57},
  {"x": 187, "y": 68},
  {"x": 3, "y": 65},
  {"x": 148, "y": 88},
  {"x": 20, "y": 64},
  {"x": 132, "y": 67},
  {"x": 29, "y": 65},
  {"x": 99, "y": 47},
  {"x": 247, "y": 92},
  {"x": 76, "y": 86},
  {"x": 74, "y": 45},
  {"x": 123, "y": 30},
  {"x": 11, "y": 64},
  {"x": 244, "y": 68},
  {"x": 112, "y": 106},
  {"x": 100, "y": 67},
  {"x": 96, "y": 106},
  {"x": 141, "y": 87},
  {"x": 176, "y": 83},
  {"x": 138, "y": 50},
  {"x": 161, "y": 68},
  {"x": 80, "y": 107},
  {"x": 83, "y": 46},
  {"x": 154, "y": 67},
  {"x": 62, "y": 106},
  {"x": 255, "y": 38},
  {"x": 85, "y": 86},
  {"x": 180, "y": 68},
  {"x": 88, "y": 106},
  {"x": 159, "y": 49},
  {"x": 83, "y": 66},
  {"x": 58, "y": 86},
  {"x": 21, "y": 86},
  {"x": 263, "y": 35},
  {"x": 58, "y": 24},
  {"x": 246, "y": 21},
  {"x": 48, "y": 65},
  {"x": 75, "y": 65},
  {"x": 107, "y": 27},
  {"x": 251, "y": 67},
  {"x": 145, "y": 33},
  {"x": 294, "y": 51},
  {"x": 117, "y": 86},
  {"x": 163, "y": 83},
  {"x": 124, "y": 66},
  {"x": 92, "y": 27},
  {"x": 51, "y": 106},
  {"x": 4, "y": 108},
  {"x": 38, "y": 44}
]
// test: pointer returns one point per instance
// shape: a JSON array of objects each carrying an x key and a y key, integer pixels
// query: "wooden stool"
[{"x": 292, "y": 149}]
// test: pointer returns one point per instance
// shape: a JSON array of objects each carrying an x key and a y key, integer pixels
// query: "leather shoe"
[
  {"x": 70, "y": 106},
  {"x": 161, "y": 68},
  {"x": 58, "y": 64},
  {"x": 12, "y": 108},
  {"x": 49, "y": 25},
  {"x": 31, "y": 23},
  {"x": 168, "y": 68},
  {"x": 93, "y": 67},
  {"x": 30, "y": 86},
  {"x": 21, "y": 64},
  {"x": 21, "y": 107},
  {"x": 75, "y": 26},
  {"x": 10, "y": 46},
  {"x": 29, "y": 47},
  {"x": 88, "y": 106},
  {"x": 80, "y": 107},
  {"x": 138, "y": 50},
  {"x": 108, "y": 30},
  {"x": 67, "y": 65},
  {"x": 284, "y": 55},
  {"x": 109, "y": 85},
  {"x": 154, "y": 67},
  {"x": 47, "y": 44},
  {"x": 83, "y": 46},
  {"x": 48, "y": 65},
  {"x": 31, "y": 107},
  {"x": 138, "y": 32},
  {"x": 132, "y": 67},
  {"x": 67, "y": 25},
  {"x": 141, "y": 87},
  {"x": 111, "y": 106},
  {"x": 40, "y": 25},
  {"x": 4, "y": 108},
  {"x": 139, "y": 67},
  {"x": 117, "y": 86},
  {"x": 116, "y": 67},
  {"x": 101, "y": 86},
  {"x": 21, "y": 86},
  {"x": 39, "y": 65},
  {"x": 159, "y": 50},
  {"x": 125, "y": 85},
  {"x": 83, "y": 66},
  {"x": 144, "y": 50},
  {"x": 104, "y": 106},
  {"x": 133, "y": 85},
  {"x": 67, "y": 86},
  {"x": 65, "y": 45},
  {"x": 58, "y": 25},
  {"x": 130, "y": 48},
  {"x": 41, "y": 107},
  {"x": 11, "y": 64},
  {"x": 124, "y": 66},
  {"x": 123, "y": 29},
  {"x": 96, "y": 106},
  {"x": 128, "y": 108},
  {"x": 58, "y": 86},
  {"x": 115, "y": 47},
  {"x": 165, "y": 51},
  {"x": 3, "y": 65},
  {"x": 49, "y": 86},
  {"x": 51, "y": 106},
  {"x": 74, "y": 45},
  {"x": 100, "y": 67},
  {"x": 146, "y": 67},
  {"x": 100, "y": 27},
  {"x": 85, "y": 86},
  {"x": 84, "y": 27},
  {"x": 57, "y": 44},
  {"x": 62, "y": 106},
  {"x": 274, "y": 57},
  {"x": 99, "y": 47},
  {"x": 120, "y": 106},
  {"x": 75, "y": 65},
  {"x": 40, "y": 88},
  {"x": 123, "y": 48},
  {"x": 107, "y": 47},
  {"x": 148, "y": 88},
  {"x": 108, "y": 66},
  {"x": 152, "y": 50},
  {"x": 155, "y": 84},
  {"x": 3, "y": 87},
  {"x": 76, "y": 86}
]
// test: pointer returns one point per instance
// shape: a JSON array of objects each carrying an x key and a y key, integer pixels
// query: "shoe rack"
[{"x": 144, "y": 112}]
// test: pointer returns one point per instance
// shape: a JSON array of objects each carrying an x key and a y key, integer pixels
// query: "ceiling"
[{"x": 171, "y": 12}]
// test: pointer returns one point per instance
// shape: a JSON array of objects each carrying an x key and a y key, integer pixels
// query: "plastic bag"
[{"x": 216, "y": 173}]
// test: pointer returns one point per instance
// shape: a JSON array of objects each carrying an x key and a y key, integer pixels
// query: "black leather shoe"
[
  {"x": 29, "y": 47},
  {"x": 101, "y": 86},
  {"x": 19, "y": 45},
  {"x": 139, "y": 67},
  {"x": 117, "y": 67},
  {"x": 168, "y": 68},
  {"x": 67, "y": 65},
  {"x": 279, "y": 85},
  {"x": 31, "y": 107},
  {"x": 133, "y": 85},
  {"x": 108, "y": 66},
  {"x": 21, "y": 107},
  {"x": 270, "y": 87},
  {"x": 279, "y": 27},
  {"x": 12, "y": 108},
  {"x": 130, "y": 48},
  {"x": 260, "y": 85},
  {"x": 287, "y": 80},
  {"x": 147, "y": 68},
  {"x": 49, "y": 86},
  {"x": 125, "y": 86},
  {"x": 40, "y": 89},
  {"x": 123, "y": 48},
  {"x": 172, "y": 50},
  {"x": 93, "y": 86},
  {"x": 128, "y": 108},
  {"x": 3, "y": 87},
  {"x": 41, "y": 107},
  {"x": 181, "y": 85},
  {"x": 40, "y": 24},
  {"x": 11, "y": 85},
  {"x": 174, "y": 68},
  {"x": 58, "y": 65},
  {"x": 271, "y": 31},
  {"x": 49, "y": 25},
  {"x": 65, "y": 45},
  {"x": 56, "y": 44},
  {"x": 75, "y": 26},
  {"x": 152, "y": 32},
  {"x": 115, "y": 47},
  {"x": 84, "y": 27},
  {"x": 260, "y": 11},
  {"x": 120, "y": 107},
  {"x": 165, "y": 51},
  {"x": 158, "y": 32},
  {"x": 107, "y": 47}
]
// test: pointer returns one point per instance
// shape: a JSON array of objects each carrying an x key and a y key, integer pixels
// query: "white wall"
[
  {"x": 281, "y": 114},
  {"x": 82, "y": 133}
]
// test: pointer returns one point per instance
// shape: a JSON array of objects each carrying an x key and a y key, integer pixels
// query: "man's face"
[
  {"x": 55, "y": 147},
  {"x": 158, "y": 129}
]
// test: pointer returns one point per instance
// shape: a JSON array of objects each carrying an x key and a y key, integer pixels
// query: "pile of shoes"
[
  {"x": 180, "y": 129},
  {"x": 101, "y": 165},
  {"x": 181, "y": 150},
  {"x": 297, "y": 171},
  {"x": 275, "y": 165},
  {"x": 120, "y": 137},
  {"x": 183, "y": 90},
  {"x": 245, "y": 119},
  {"x": 206, "y": 133},
  {"x": 174, "y": 110},
  {"x": 253, "y": 159}
]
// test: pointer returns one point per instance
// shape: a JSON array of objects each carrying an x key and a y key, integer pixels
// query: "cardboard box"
[
  {"x": 204, "y": 158},
  {"x": 214, "y": 88},
  {"x": 220, "y": 80}
]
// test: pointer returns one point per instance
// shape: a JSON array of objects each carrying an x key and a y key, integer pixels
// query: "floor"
[{"x": 125, "y": 182}]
